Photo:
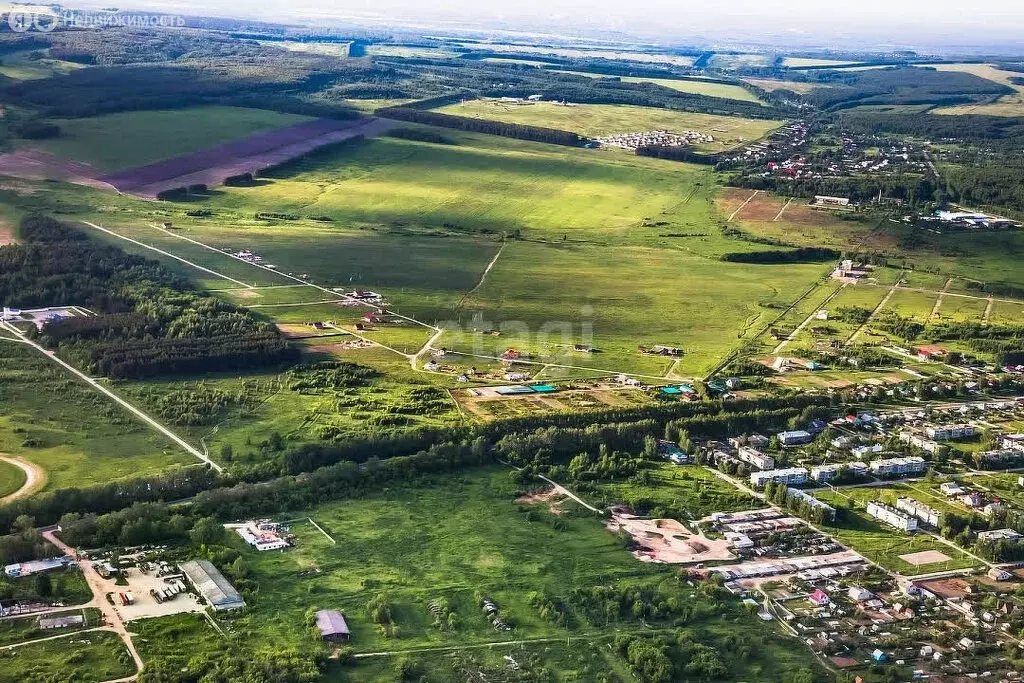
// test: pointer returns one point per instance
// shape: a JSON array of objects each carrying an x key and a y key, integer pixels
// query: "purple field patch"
[{"x": 254, "y": 153}]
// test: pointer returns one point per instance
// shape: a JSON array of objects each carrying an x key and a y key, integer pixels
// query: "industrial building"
[
  {"x": 15, "y": 571},
  {"x": 211, "y": 585},
  {"x": 789, "y": 475},
  {"x": 898, "y": 466},
  {"x": 892, "y": 516},
  {"x": 929, "y": 516}
]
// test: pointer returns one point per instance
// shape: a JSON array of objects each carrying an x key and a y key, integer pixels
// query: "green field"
[
  {"x": 599, "y": 120},
  {"x": 689, "y": 493},
  {"x": 422, "y": 222},
  {"x": 96, "y": 656},
  {"x": 76, "y": 434},
  {"x": 456, "y": 537},
  {"x": 881, "y": 543},
  {"x": 28, "y": 65},
  {"x": 12, "y": 478},
  {"x": 694, "y": 86},
  {"x": 114, "y": 142}
]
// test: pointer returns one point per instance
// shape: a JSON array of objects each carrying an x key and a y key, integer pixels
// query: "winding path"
[{"x": 35, "y": 478}]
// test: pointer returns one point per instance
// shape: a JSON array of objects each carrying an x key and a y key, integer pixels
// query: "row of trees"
[
  {"x": 150, "y": 322},
  {"x": 508, "y": 130}
]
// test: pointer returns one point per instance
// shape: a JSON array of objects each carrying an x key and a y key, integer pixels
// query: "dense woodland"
[
  {"x": 150, "y": 322},
  {"x": 508, "y": 130}
]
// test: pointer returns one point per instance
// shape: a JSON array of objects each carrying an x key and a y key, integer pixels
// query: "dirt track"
[{"x": 35, "y": 478}]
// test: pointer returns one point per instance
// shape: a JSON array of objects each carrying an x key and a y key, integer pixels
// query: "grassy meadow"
[
  {"x": 881, "y": 543},
  {"x": 600, "y": 120},
  {"x": 27, "y": 65},
  {"x": 12, "y": 478},
  {"x": 114, "y": 142},
  {"x": 42, "y": 422},
  {"x": 95, "y": 656},
  {"x": 1004, "y": 105},
  {"x": 456, "y": 537}
]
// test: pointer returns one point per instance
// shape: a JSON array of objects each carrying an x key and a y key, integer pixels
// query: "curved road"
[{"x": 35, "y": 478}]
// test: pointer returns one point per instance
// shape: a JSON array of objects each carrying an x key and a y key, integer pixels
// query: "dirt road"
[
  {"x": 92, "y": 578},
  {"x": 35, "y": 478}
]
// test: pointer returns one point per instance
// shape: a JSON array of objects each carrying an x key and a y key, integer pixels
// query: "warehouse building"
[
  {"x": 211, "y": 585},
  {"x": 332, "y": 625}
]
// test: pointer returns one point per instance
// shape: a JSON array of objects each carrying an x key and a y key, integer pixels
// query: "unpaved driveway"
[{"x": 35, "y": 478}]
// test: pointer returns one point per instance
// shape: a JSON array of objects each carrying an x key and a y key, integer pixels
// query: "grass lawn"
[
  {"x": 123, "y": 140},
  {"x": 28, "y": 65},
  {"x": 688, "y": 492},
  {"x": 76, "y": 434},
  {"x": 21, "y": 630},
  {"x": 598, "y": 120},
  {"x": 880, "y": 542},
  {"x": 12, "y": 478},
  {"x": 96, "y": 656}
]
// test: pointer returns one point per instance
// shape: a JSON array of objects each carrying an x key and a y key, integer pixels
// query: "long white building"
[
  {"x": 898, "y": 466},
  {"x": 892, "y": 516},
  {"x": 789, "y": 475},
  {"x": 918, "y": 509}
]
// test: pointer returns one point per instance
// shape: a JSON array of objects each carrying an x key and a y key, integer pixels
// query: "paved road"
[{"x": 114, "y": 397}]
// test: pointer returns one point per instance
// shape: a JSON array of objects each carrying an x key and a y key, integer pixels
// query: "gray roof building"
[
  {"x": 332, "y": 625},
  {"x": 212, "y": 585}
]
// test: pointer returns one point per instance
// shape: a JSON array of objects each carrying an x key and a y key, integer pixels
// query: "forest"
[
  {"x": 508, "y": 130},
  {"x": 150, "y": 322}
]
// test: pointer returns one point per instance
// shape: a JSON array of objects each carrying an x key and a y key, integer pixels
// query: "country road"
[
  {"x": 99, "y": 598},
  {"x": 137, "y": 412},
  {"x": 35, "y": 478}
]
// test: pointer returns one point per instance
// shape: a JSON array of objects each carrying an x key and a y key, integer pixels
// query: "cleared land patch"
[
  {"x": 246, "y": 155},
  {"x": 113, "y": 142},
  {"x": 1005, "y": 105},
  {"x": 925, "y": 557}
]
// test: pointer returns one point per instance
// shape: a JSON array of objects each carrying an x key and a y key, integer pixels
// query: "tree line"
[
  {"x": 149, "y": 322},
  {"x": 508, "y": 130}
]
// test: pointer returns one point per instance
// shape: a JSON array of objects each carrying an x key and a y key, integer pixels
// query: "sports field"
[
  {"x": 598, "y": 120},
  {"x": 884, "y": 545},
  {"x": 114, "y": 142}
]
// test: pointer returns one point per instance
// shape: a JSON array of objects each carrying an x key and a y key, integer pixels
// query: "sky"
[{"x": 828, "y": 23}]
